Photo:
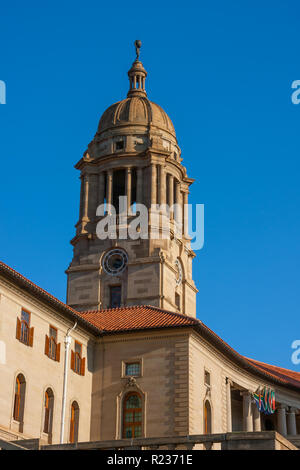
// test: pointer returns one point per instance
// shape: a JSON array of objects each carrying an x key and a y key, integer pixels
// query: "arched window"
[
  {"x": 48, "y": 411},
  {"x": 132, "y": 416},
  {"x": 19, "y": 400},
  {"x": 74, "y": 422},
  {"x": 207, "y": 418}
]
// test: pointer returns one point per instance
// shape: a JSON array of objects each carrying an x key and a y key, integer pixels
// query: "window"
[
  {"x": 177, "y": 300},
  {"x": 52, "y": 349},
  {"x": 77, "y": 361},
  {"x": 119, "y": 145},
  {"x": 24, "y": 333},
  {"x": 132, "y": 416},
  {"x": 115, "y": 296},
  {"x": 207, "y": 418},
  {"x": 74, "y": 422},
  {"x": 19, "y": 400},
  {"x": 133, "y": 368},
  {"x": 207, "y": 378},
  {"x": 48, "y": 411}
]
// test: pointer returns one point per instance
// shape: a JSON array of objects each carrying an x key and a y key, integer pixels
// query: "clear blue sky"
[{"x": 223, "y": 72}]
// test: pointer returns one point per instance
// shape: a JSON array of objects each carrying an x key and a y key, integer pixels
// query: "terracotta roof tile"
[
  {"x": 286, "y": 375},
  {"x": 136, "y": 318}
]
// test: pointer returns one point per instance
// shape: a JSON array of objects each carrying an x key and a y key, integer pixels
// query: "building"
[{"x": 126, "y": 357}]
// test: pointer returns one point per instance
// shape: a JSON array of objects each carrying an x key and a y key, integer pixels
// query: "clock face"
[
  {"x": 115, "y": 262},
  {"x": 179, "y": 274}
]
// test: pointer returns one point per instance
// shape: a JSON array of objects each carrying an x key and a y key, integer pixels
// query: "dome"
[{"x": 135, "y": 110}]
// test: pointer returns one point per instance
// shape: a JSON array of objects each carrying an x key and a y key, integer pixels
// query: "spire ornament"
[{"x": 138, "y": 45}]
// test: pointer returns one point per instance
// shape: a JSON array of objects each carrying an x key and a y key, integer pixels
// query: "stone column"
[
  {"x": 109, "y": 187},
  {"x": 128, "y": 189},
  {"x": 291, "y": 422},
  {"x": 281, "y": 420},
  {"x": 185, "y": 214},
  {"x": 86, "y": 197},
  {"x": 163, "y": 185},
  {"x": 101, "y": 186},
  {"x": 153, "y": 184},
  {"x": 256, "y": 418},
  {"x": 229, "y": 411},
  {"x": 139, "y": 186},
  {"x": 171, "y": 194},
  {"x": 177, "y": 201},
  {"x": 247, "y": 412}
]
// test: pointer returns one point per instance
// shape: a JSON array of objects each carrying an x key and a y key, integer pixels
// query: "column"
[
  {"x": 101, "y": 185},
  {"x": 171, "y": 194},
  {"x": 291, "y": 422},
  {"x": 185, "y": 214},
  {"x": 281, "y": 420},
  {"x": 139, "y": 185},
  {"x": 109, "y": 187},
  {"x": 229, "y": 411},
  {"x": 256, "y": 419},
  {"x": 128, "y": 189},
  {"x": 153, "y": 184},
  {"x": 163, "y": 185},
  {"x": 86, "y": 197},
  {"x": 247, "y": 412},
  {"x": 177, "y": 214}
]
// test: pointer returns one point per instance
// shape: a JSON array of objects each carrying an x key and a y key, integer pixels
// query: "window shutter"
[
  {"x": 82, "y": 372},
  {"x": 47, "y": 345},
  {"x": 72, "y": 360},
  {"x": 30, "y": 342},
  {"x": 18, "y": 331},
  {"x": 57, "y": 352}
]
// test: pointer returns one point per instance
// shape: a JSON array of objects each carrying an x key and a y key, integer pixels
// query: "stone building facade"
[{"x": 126, "y": 356}]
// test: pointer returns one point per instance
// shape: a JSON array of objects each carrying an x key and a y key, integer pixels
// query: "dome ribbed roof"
[{"x": 135, "y": 110}]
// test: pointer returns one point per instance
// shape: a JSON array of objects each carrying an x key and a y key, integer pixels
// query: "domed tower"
[{"x": 134, "y": 154}]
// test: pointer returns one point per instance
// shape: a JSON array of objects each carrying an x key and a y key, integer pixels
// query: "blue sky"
[{"x": 223, "y": 72}]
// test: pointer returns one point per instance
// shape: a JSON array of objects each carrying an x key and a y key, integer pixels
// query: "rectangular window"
[
  {"x": 207, "y": 378},
  {"x": 24, "y": 333},
  {"x": 52, "y": 342},
  {"x": 115, "y": 296},
  {"x": 177, "y": 300},
  {"x": 133, "y": 368},
  {"x": 119, "y": 145},
  {"x": 77, "y": 361}
]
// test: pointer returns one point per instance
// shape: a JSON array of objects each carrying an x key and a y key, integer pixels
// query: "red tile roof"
[
  {"x": 286, "y": 375},
  {"x": 143, "y": 317},
  {"x": 138, "y": 317}
]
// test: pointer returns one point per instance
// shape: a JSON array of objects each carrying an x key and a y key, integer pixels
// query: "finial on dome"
[
  {"x": 138, "y": 45},
  {"x": 137, "y": 74}
]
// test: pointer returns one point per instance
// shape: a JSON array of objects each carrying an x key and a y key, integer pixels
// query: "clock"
[{"x": 115, "y": 262}]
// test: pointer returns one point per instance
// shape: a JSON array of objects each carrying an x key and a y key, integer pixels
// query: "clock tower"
[{"x": 135, "y": 158}]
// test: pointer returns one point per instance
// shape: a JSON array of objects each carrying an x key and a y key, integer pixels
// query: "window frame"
[
  {"x": 132, "y": 361},
  {"x": 132, "y": 424},
  {"x": 54, "y": 340},
  {"x": 24, "y": 337},
  {"x": 111, "y": 287}
]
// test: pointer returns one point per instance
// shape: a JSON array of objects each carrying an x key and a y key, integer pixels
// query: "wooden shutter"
[
  {"x": 47, "y": 345},
  {"x": 72, "y": 360},
  {"x": 30, "y": 341},
  {"x": 18, "y": 331},
  {"x": 82, "y": 371},
  {"x": 57, "y": 358}
]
